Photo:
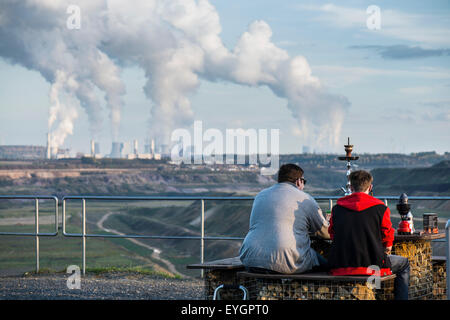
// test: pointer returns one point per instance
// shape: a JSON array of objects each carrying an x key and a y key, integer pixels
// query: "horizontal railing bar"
[
  {"x": 29, "y": 234},
  {"x": 389, "y": 197},
  {"x": 231, "y": 198},
  {"x": 150, "y": 237},
  {"x": 29, "y": 197},
  {"x": 196, "y": 197},
  {"x": 155, "y": 198}
]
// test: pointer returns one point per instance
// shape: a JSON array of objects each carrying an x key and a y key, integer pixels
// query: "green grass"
[
  {"x": 57, "y": 253},
  {"x": 111, "y": 269},
  {"x": 137, "y": 269}
]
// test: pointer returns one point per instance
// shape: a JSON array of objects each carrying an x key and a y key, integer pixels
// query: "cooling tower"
[
  {"x": 116, "y": 150},
  {"x": 135, "y": 147},
  {"x": 97, "y": 148},
  {"x": 164, "y": 149}
]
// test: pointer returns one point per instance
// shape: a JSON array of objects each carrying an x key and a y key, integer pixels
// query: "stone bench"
[
  {"x": 218, "y": 272},
  {"x": 307, "y": 286}
]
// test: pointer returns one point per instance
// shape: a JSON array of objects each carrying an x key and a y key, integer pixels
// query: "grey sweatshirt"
[{"x": 280, "y": 222}]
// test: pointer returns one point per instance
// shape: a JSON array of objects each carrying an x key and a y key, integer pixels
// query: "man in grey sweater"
[{"x": 282, "y": 218}]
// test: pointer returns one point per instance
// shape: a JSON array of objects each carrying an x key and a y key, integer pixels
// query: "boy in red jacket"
[{"x": 362, "y": 234}]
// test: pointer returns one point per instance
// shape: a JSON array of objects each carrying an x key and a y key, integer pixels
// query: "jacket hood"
[{"x": 358, "y": 201}]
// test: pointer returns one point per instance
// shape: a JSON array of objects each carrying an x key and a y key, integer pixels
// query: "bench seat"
[
  {"x": 315, "y": 286},
  {"x": 221, "y": 264},
  {"x": 305, "y": 286},
  {"x": 312, "y": 276}
]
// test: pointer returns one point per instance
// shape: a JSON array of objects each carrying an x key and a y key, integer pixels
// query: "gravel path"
[{"x": 110, "y": 286}]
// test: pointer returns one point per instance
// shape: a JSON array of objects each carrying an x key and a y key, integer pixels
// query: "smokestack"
[
  {"x": 49, "y": 154},
  {"x": 93, "y": 148},
  {"x": 152, "y": 146},
  {"x": 135, "y": 144}
]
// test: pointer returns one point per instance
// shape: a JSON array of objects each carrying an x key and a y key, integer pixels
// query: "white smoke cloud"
[
  {"x": 64, "y": 113},
  {"x": 177, "y": 43},
  {"x": 34, "y": 34}
]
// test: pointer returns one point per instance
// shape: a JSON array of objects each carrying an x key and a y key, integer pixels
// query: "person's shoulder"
[
  {"x": 305, "y": 199},
  {"x": 306, "y": 195},
  {"x": 265, "y": 191},
  {"x": 375, "y": 202}
]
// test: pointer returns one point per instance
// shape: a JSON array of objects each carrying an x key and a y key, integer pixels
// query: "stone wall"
[
  {"x": 418, "y": 253},
  {"x": 439, "y": 280},
  {"x": 292, "y": 289}
]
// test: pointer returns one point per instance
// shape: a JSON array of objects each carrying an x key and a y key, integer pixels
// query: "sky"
[{"x": 383, "y": 83}]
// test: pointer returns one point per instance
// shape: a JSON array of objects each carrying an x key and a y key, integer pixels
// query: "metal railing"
[
  {"x": 447, "y": 253},
  {"x": 36, "y": 232},
  {"x": 202, "y": 199},
  {"x": 84, "y": 235}
]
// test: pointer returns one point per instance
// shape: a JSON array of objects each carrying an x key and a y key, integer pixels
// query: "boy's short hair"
[
  {"x": 289, "y": 172},
  {"x": 360, "y": 180}
]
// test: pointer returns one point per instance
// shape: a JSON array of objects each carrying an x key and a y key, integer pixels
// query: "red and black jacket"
[{"x": 361, "y": 229}]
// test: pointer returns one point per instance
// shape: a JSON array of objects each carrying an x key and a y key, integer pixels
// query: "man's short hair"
[
  {"x": 360, "y": 180},
  {"x": 289, "y": 172}
]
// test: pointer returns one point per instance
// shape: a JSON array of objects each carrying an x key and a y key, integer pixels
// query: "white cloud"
[
  {"x": 429, "y": 31},
  {"x": 339, "y": 76},
  {"x": 416, "y": 90}
]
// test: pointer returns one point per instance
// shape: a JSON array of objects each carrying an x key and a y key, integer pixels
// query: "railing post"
[
  {"x": 56, "y": 216},
  {"x": 202, "y": 240},
  {"x": 83, "y": 221},
  {"x": 63, "y": 217},
  {"x": 36, "y": 230},
  {"x": 447, "y": 238}
]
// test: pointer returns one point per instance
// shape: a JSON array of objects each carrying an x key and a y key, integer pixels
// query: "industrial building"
[
  {"x": 22, "y": 152},
  {"x": 18, "y": 152}
]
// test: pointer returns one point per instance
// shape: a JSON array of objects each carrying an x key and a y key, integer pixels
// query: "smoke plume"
[{"x": 177, "y": 43}]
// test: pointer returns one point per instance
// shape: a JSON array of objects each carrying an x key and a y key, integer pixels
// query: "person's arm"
[
  {"x": 321, "y": 225},
  {"x": 387, "y": 231},
  {"x": 330, "y": 227},
  {"x": 323, "y": 232}
]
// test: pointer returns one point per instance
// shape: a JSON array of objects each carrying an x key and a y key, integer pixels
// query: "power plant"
[
  {"x": 119, "y": 150},
  {"x": 55, "y": 152},
  {"x": 116, "y": 150}
]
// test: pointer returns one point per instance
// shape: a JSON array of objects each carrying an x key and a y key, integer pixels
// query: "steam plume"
[{"x": 177, "y": 43}]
